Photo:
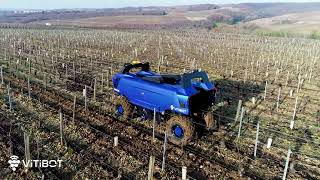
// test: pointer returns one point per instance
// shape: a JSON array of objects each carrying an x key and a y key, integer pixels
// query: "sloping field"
[
  {"x": 296, "y": 22},
  {"x": 111, "y": 21},
  {"x": 173, "y": 17}
]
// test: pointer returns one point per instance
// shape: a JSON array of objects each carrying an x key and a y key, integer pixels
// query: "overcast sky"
[{"x": 57, "y": 4}]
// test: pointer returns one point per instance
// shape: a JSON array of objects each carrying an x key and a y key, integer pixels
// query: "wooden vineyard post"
[
  {"x": 108, "y": 79},
  {"x": 111, "y": 71},
  {"x": 257, "y": 140},
  {"x": 151, "y": 167},
  {"x": 238, "y": 110},
  {"x": 164, "y": 152},
  {"x": 245, "y": 76},
  {"x": 294, "y": 113},
  {"x": 265, "y": 91},
  {"x": 291, "y": 92},
  {"x": 278, "y": 98},
  {"x": 102, "y": 83},
  {"x": 30, "y": 67},
  {"x": 91, "y": 63},
  {"x": 38, "y": 148},
  {"x": 5, "y": 56},
  {"x": 310, "y": 75},
  {"x": 277, "y": 74},
  {"x": 153, "y": 124},
  {"x": 1, "y": 74},
  {"x": 66, "y": 71},
  {"x": 254, "y": 100},
  {"x": 74, "y": 107},
  {"x": 158, "y": 55},
  {"x": 95, "y": 89},
  {"x": 10, "y": 61},
  {"x": 74, "y": 71},
  {"x": 57, "y": 76},
  {"x": 241, "y": 119},
  {"x": 269, "y": 142},
  {"x": 26, "y": 148},
  {"x": 85, "y": 97},
  {"x": 159, "y": 64},
  {"x": 318, "y": 118},
  {"x": 29, "y": 91},
  {"x": 61, "y": 127},
  {"x": 284, "y": 177},
  {"x": 184, "y": 173},
  {"x": 9, "y": 96},
  {"x": 45, "y": 80},
  {"x": 299, "y": 80},
  {"x": 115, "y": 141},
  {"x": 267, "y": 71},
  {"x": 287, "y": 81}
]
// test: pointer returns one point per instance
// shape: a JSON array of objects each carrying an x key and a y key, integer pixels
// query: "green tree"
[
  {"x": 315, "y": 35},
  {"x": 214, "y": 25}
]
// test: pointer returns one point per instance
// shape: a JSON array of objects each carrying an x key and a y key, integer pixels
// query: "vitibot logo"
[{"x": 14, "y": 162}]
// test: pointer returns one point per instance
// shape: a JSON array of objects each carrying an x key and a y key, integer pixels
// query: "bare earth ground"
[{"x": 174, "y": 16}]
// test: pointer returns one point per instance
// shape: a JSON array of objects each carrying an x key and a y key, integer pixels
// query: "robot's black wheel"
[
  {"x": 123, "y": 108},
  {"x": 180, "y": 130}
]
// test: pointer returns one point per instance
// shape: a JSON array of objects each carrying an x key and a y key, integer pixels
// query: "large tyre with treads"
[
  {"x": 123, "y": 108},
  {"x": 180, "y": 130}
]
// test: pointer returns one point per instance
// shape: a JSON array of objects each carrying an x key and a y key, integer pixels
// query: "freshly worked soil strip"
[{"x": 66, "y": 104}]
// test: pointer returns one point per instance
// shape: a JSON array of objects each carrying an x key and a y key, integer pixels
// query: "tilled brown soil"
[
  {"x": 138, "y": 144},
  {"x": 141, "y": 143}
]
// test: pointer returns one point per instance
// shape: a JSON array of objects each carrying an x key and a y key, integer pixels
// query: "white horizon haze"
[{"x": 93, "y": 4}]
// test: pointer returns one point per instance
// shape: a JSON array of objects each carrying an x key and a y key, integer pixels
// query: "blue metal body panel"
[{"x": 159, "y": 95}]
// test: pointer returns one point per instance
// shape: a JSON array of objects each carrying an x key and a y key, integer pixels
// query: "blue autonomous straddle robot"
[{"x": 180, "y": 100}]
